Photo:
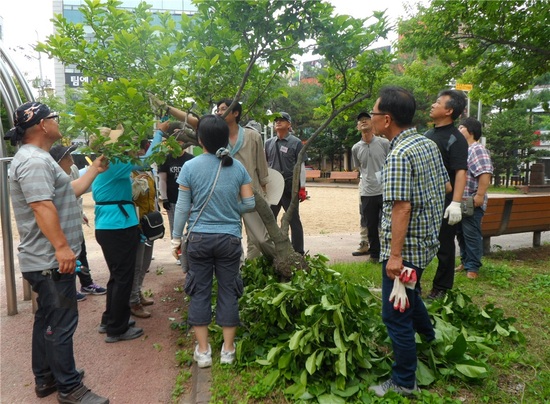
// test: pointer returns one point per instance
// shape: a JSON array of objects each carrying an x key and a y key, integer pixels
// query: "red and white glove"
[
  {"x": 302, "y": 194},
  {"x": 408, "y": 277},
  {"x": 399, "y": 297},
  {"x": 175, "y": 244}
]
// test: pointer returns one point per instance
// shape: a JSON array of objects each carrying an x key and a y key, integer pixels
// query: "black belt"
[{"x": 119, "y": 203}]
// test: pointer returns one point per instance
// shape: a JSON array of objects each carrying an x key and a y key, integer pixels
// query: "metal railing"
[{"x": 10, "y": 77}]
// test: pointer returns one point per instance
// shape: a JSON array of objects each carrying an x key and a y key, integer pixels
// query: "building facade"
[{"x": 69, "y": 75}]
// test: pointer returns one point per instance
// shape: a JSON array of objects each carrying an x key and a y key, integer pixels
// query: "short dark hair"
[
  {"x": 236, "y": 108},
  {"x": 399, "y": 103},
  {"x": 213, "y": 133},
  {"x": 473, "y": 126},
  {"x": 457, "y": 102}
]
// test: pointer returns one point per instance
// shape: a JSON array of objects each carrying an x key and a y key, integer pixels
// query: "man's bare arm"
[
  {"x": 400, "y": 218},
  {"x": 47, "y": 220}
]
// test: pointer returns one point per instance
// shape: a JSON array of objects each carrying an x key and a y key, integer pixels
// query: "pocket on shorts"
[{"x": 190, "y": 284}]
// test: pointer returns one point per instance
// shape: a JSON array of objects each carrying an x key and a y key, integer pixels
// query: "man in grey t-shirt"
[
  {"x": 50, "y": 231},
  {"x": 368, "y": 156},
  {"x": 282, "y": 155}
]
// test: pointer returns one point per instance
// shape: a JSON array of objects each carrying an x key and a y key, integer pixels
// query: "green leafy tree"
[
  {"x": 509, "y": 138},
  {"x": 502, "y": 45},
  {"x": 231, "y": 49}
]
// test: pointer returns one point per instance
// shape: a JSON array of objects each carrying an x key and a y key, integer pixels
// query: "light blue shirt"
[{"x": 222, "y": 214}]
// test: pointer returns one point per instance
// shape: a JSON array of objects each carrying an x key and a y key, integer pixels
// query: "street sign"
[{"x": 464, "y": 87}]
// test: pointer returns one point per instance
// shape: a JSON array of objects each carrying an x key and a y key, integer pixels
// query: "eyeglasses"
[
  {"x": 54, "y": 117},
  {"x": 377, "y": 113}
]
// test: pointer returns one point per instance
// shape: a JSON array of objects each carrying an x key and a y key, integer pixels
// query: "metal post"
[
  {"x": 479, "y": 110},
  {"x": 7, "y": 237}
]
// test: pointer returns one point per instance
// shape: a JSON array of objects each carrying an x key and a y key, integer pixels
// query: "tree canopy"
[{"x": 499, "y": 46}]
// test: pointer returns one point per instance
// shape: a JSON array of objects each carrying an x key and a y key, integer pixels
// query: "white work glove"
[
  {"x": 453, "y": 213},
  {"x": 398, "y": 296},
  {"x": 408, "y": 277},
  {"x": 176, "y": 246}
]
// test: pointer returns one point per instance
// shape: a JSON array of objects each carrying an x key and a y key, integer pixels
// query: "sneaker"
[
  {"x": 131, "y": 333},
  {"x": 227, "y": 357},
  {"x": 471, "y": 275},
  {"x": 138, "y": 311},
  {"x": 80, "y": 297},
  {"x": 144, "y": 301},
  {"x": 178, "y": 262},
  {"x": 102, "y": 328},
  {"x": 93, "y": 289},
  {"x": 389, "y": 385},
  {"x": 203, "y": 359},
  {"x": 81, "y": 394},
  {"x": 44, "y": 390},
  {"x": 363, "y": 249},
  {"x": 459, "y": 268}
]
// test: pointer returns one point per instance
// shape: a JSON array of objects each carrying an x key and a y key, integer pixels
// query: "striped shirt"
[
  {"x": 414, "y": 172},
  {"x": 36, "y": 177},
  {"x": 479, "y": 162}
]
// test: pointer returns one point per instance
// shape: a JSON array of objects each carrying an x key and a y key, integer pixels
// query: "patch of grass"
[{"x": 516, "y": 282}]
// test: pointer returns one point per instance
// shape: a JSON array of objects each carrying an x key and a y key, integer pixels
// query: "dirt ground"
[{"x": 143, "y": 370}]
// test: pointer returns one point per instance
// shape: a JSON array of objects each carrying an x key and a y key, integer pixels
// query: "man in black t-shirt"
[
  {"x": 168, "y": 173},
  {"x": 454, "y": 149}
]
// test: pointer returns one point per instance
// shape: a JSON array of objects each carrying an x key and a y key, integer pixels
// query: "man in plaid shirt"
[
  {"x": 414, "y": 182},
  {"x": 478, "y": 179}
]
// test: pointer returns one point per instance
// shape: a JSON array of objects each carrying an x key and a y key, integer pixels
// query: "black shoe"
[
  {"x": 44, "y": 390},
  {"x": 81, "y": 394},
  {"x": 131, "y": 333},
  {"x": 437, "y": 294},
  {"x": 102, "y": 329}
]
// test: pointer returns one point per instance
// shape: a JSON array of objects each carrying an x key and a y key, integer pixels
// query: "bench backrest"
[
  {"x": 516, "y": 214},
  {"x": 313, "y": 174},
  {"x": 344, "y": 175}
]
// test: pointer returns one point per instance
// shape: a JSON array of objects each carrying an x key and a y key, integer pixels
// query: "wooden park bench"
[
  {"x": 312, "y": 174},
  {"x": 344, "y": 175},
  {"x": 515, "y": 214}
]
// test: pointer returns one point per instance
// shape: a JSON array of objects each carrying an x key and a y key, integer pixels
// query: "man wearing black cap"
[
  {"x": 50, "y": 231},
  {"x": 368, "y": 155},
  {"x": 282, "y": 155}
]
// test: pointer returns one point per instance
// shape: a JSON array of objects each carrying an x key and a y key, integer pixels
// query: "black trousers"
[
  {"x": 84, "y": 277},
  {"x": 296, "y": 229},
  {"x": 371, "y": 208},
  {"x": 445, "y": 274},
  {"x": 119, "y": 249}
]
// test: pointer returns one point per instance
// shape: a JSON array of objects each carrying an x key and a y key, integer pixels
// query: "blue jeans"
[
  {"x": 210, "y": 254},
  {"x": 402, "y": 327},
  {"x": 470, "y": 240},
  {"x": 55, "y": 322}
]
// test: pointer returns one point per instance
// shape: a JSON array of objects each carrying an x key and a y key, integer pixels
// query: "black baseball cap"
[{"x": 363, "y": 115}]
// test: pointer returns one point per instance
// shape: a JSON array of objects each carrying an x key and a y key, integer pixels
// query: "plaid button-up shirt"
[
  {"x": 414, "y": 172},
  {"x": 479, "y": 162}
]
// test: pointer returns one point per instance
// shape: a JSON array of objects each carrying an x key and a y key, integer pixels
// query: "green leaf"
[
  {"x": 341, "y": 365},
  {"x": 458, "y": 349},
  {"x": 294, "y": 342},
  {"x": 311, "y": 363},
  {"x": 472, "y": 369},
  {"x": 424, "y": 375},
  {"x": 330, "y": 399},
  {"x": 271, "y": 378},
  {"x": 501, "y": 331}
]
